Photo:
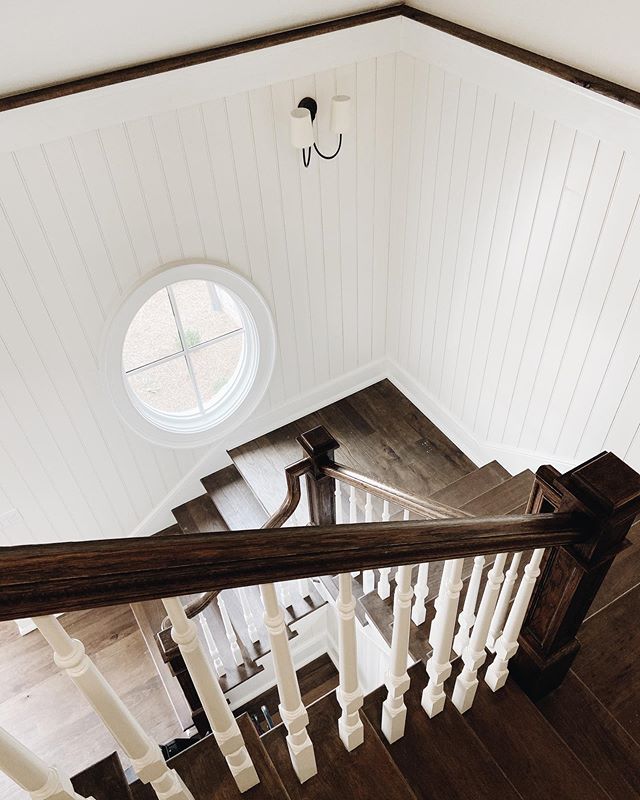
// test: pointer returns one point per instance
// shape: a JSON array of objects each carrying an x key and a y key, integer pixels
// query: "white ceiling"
[
  {"x": 44, "y": 42},
  {"x": 597, "y": 36}
]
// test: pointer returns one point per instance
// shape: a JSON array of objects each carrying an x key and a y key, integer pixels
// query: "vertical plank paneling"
[
  {"x": 398, "y": 211},
  {"x": 365, "y": 186},
  {"x": 385, "y": 106},
  {"x": 347, "y": 181}
]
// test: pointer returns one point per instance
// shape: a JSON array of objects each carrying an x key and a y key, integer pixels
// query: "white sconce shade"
[
  {"x": 340, "y": 114},
  {"x": 301, "y": 128}
]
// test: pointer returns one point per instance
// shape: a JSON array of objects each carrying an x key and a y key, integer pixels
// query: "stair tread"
[
  {"x": 315, "y": 679},
  {"x": 504, "y": 498},
  {"x": 234, "y": 499},
  {"x": 366, "y": 772},
  {"x": 441, "y": 758},
  {"x": 607, "y": 662},
  {"x": 531, "y": 754},
  {"x": 104, "y": 780},
  {"x": 204, "y": 770},
  {"x": 472, "y": 485},
  {"x": 199, "y": 515},
  {"x": 605, "y": 748},
  {"x": 381, "y": 433},
  {"x": 623, "y": 574}
]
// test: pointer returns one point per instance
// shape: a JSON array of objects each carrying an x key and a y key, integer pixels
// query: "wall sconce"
[{"x": 302, "y": 117}]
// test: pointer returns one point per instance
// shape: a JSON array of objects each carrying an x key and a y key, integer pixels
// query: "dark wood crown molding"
[{"x": 576, "y": 76}]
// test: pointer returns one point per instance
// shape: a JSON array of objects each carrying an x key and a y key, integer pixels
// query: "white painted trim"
[
  {"x": 112, "y": 105},
  {"x": 572, "y": 105},
  {"x": 480, "y": 451},
  {"x": 216, "y": 456}
]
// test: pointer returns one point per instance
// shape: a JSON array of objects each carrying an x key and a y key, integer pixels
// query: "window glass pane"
[
  {"x": 215, "y": 366},
  {"x": 206, "y": 311},
  {"x": 167, "y": 387},
  {"x": 152, "y": 334}
]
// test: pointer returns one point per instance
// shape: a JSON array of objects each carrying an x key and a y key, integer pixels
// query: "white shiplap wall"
[
  {"x": 518, "y": 324},
  {"x": 476, "y": 240},
  {"x": 85, "y": 217}
]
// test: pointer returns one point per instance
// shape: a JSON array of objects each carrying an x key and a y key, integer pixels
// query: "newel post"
[
  {"x": 319, "y": 445},
  {"x": 607, "y": 492}
]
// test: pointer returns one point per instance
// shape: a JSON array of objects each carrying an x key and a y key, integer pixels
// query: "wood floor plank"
[
  {"x": 363, "y": 774},
  {"x": 623, "y": 575},
  {"x": 468, "y": 487},
  {"x": 43, "y": 709},
  {"x": 200, "y": 515},
  {"x": 607, "y": 662},
  {"x": 510, "y": 495},
  {"x": 104, "y": 780},
  {"x": 441, "y": 758},
  {"x": 236, "y": 503},
  {"x": 205, "y": 772},
  {"x": 534, "y": 758},
  {"x": 604, "y": 747},
  {"x": 381, "y": 434}
]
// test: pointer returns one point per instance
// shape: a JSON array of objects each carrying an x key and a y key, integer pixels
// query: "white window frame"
[{"x": 247, "y": 386}]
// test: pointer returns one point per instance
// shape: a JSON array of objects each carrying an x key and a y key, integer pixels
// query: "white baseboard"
[
  {"x": 217, "y": 456},
  {"x": 480, "y": 451}
]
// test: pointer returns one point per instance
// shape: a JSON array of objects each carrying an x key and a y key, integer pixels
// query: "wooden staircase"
[{"x": 571, "y": 745}]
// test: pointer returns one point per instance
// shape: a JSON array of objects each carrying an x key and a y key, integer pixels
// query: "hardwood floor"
[
  {"x": 43, "y": 709},
  {"x": 381, "y": 433}
]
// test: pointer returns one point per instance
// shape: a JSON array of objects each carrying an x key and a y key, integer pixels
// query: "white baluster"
[
  {"x": 438, "y": 601},
  {"x": 348, "y": 693},
  {"x": 293, "y": 713},
  {"x": 247, "y": 613},
  {"x": 439, "y": 665},
  {"x": 304, "y": 587},
  {"x": 394, "y": 710},
  {"x": 339, "y": 513},
  {"x": 223, "y": 724},
  {"x": 368, "y": 576},
  {"x": 230, "y": 631},
  {"x": 285, "y": 594},
  {"x": 507, "y": 643},
  {"x": 144, "y": 754},
  {"x": 31, "y": 773},
  {"x": 468, "y": 614},
  {"x": 419, "y": 611},
  {"x": 474, "y": 654},
  {"x": 384, "y": 588},
  {"x": 500, "y": 614},
  {"x": 212, "y": 646},
  {"x": 353, "y": 515}
]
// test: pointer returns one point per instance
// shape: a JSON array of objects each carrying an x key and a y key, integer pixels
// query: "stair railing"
[
  {"x": 32, "y": 774},
  {"x": 578, "y": 522}
]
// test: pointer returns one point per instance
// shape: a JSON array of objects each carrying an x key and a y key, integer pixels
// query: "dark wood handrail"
[
  {"x": 43, "y": 579},
  {"x": 293, "y": 473},
  {"x": 429, "y": 509}
]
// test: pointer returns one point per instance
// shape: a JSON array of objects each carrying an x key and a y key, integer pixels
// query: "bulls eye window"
[
  {"x": 184, "y": 349},
  {"x": 194, "y": 346}
]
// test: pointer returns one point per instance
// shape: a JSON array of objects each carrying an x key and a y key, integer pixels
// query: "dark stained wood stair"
[{"x": 576, "y": 744}]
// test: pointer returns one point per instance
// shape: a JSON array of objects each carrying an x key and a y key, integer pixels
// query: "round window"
[{"x": 194, "y": 347}]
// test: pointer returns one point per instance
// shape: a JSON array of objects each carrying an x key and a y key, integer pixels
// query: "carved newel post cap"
[{"x": 317, "y": 442}]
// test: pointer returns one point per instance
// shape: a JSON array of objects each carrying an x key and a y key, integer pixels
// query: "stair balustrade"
[
  {"x": 32, "y": 774},
  {"x": 575, "y": 525},
  {"x": 223, "y": 724},
  {"x": 144, "y": 754}
]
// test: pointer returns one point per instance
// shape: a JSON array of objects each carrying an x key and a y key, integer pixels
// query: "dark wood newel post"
[
  {"x": 319, "y": 445},
  {"x": 607, "y": 491}
]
